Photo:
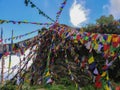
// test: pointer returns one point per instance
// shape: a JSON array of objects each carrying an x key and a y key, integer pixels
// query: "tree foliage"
[
  {"x": 104, "y": 25},
  {"x": 105, "y": 19}
]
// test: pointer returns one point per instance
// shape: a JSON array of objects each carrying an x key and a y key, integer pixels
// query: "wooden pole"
[
  {"x": 20, "y": 67},
  {"x": 2, "y": 63},
  {"x": 1, "y": 33},
  {"x": 10, "y": 54},
  {"x": 2, "y": 71}
]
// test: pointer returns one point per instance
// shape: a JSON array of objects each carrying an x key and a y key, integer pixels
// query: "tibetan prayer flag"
[
  {"x": 78, "y": 37},
  {"x": 75, "y": 41},
  {"x": 47, "y": 74},
  {"x": 106, "y": 47},
  {"x": 109, "y": 38},
  {"x": 1, "y": 56},
  {"x": 117, "y": 88},
  {"x": 115, "y": 39},
  {"x": 100, "y": 47},
  {"x": 98, "y": 84},
  {"x": 97, "y": 78},
  {"x": 106, "y": 87},
  {"x": 115, "y": 44},
  {"x": 107, "y": 77},
  {"x": 81, "y": 40},
  {"x": 96, "y": 46},
  {"x": 91, "y": 60},
  {"x": 49, "y": 81},
  {"x": 88, "y": 45},
  {"x": 92, "y": 66},
  {"x": 105, "y": 37},
  {"x": 94, "y": 36},
  {"x": 86, "y": 38},
  {"x": 96, "y": 71},
  {"x": 103, "y": 74}
]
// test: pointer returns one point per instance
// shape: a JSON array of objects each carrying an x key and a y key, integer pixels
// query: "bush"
[
  {"x": 65, "y": 81},
  {"x": 8, "y": 87}
]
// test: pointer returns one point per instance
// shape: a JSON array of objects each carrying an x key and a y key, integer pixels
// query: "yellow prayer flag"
[
  {"x": 107, "y": 88},
  {"x": 91, "y": 60},
  {"x": 81, "y": 30},
  {"x": 43, "y": 33},
  {"x": 57, "y": 47},
  {"x": 69, "y": 30},
  {"x": 107, "y": 77},
  {"x": 47, "y": 74},
  {"x": 81, "y": 40},
  {"x": 109, "y": 38},
  {"x": 69, "y": 72},
  {"x": 96, "y": 46},
  {"x": 75, "y": 41},
  {"x": 103, "y": 74}
]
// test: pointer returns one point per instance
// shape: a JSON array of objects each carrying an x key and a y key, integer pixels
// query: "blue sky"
[{"x": 85, "y": 11}]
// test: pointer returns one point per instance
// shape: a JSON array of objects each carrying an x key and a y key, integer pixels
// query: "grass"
[
  {"x": 50, "y": 87},
  {"x": 60, "y": 87}
]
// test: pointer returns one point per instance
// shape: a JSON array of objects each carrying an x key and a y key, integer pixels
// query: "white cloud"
[
  {"x": 78, "y": 14},
  {"x": 114, "y": 8}
]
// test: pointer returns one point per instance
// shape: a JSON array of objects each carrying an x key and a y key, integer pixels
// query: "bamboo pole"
[
  {"x": 10, "y": 54},
  {"x": 2, "y": 62},
  {"x": 2, "y": 72}
]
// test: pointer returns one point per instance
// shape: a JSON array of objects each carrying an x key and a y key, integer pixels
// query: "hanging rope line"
[
  {"x": 20, "y": 36},
  {"x": 24, "y": 22},
  {"x": 30, "y": 57},
  {"x": 40, "y": 11},
  {"x": 60, "y": 9},
  {"x": 24, "y": 62}
]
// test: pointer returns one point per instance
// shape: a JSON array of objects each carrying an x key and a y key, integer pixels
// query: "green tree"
[{"x": 105, "y": 19}]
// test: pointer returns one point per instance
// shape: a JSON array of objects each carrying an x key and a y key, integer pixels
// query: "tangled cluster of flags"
[{"x": 106, "y": 44}]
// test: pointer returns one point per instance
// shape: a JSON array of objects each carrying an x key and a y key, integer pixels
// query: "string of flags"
[
  {"x": 15, "y": 66},
  {"x": 31, "y": 56},
  {"x": 20, "y": 47},
  {"x": 20, "y": 36},
  {"x": 23, "y": 62},
  {"x": 60, "y": 9},
  {"x": 23, "y": 22},
  {"x": 40, "y": 11}
]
